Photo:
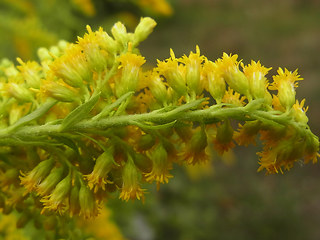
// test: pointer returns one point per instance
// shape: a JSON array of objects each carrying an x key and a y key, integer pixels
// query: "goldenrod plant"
[{"x": 88, "y": 122}]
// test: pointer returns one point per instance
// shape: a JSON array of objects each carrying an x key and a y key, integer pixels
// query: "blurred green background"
[{"x": 235, "y": 202}]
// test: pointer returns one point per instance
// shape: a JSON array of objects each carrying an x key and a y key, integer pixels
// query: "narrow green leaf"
[
  {"x": 80, "y": 113},
  {"x": 154, "y": 127},
  {"x": 113, "y": 105},
  {"x": 34, "y": 115}
]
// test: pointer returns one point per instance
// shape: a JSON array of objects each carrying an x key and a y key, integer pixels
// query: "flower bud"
[
  {"x": 184, "y": 132},
  {"x": 54, "y": 51},
  {"x": 145, "y": 142},
  {"x": 62, "y": 44},
  {"x": 143, "y": 163},
  {"x": 107, "y": 43},
  {"x": 19, "y": 92},
  {"x": 143, "y": 30},
  {"x": 158, "y": 88},
  {"x": 119, "y": 33},
  {"x": 44, "y": 54}
]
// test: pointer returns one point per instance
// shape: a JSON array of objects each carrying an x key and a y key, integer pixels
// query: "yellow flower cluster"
[{"x": 88, "y": 120}]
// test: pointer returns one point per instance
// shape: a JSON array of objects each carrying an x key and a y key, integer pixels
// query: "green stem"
[{"x": 184, "y": 113}]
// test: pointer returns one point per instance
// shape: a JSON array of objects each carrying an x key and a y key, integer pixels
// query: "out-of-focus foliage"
[
  {"x": 25, "y": 25},
  {"x": 19, "y": 226}
]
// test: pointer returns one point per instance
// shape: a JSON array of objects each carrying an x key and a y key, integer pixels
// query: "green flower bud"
[
  {"x": 143, "y": 162},
  {"x": 119, "y": 32},
  {"x": 184, "y": 132},
  {"x": 44, "y": 54},
  {"x": 145, "y": 142},
  {"x": 62, "y": 44},
  {"x": 19, "y": 92},
  {"x": 143, "y": 30},
  {"x": 158, "y": 88}
]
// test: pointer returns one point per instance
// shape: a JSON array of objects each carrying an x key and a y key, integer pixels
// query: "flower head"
[
  {"x": 31, "y": 72},
  {"x": 193, "y": 64},
  {"x": 216, "y": 83},
  {"x": 72, "y": 67},
  {"x": 196, "y": 148},
  {"x": 131, "y": 188},
  {"x": 232, "y": 74},
  {"x": 130, "y": 64},
  {"x": 88, "y": 205},
  {"x": 255, "y": 73},
  {"x": 299, "y": 112},
  {"x": 286, "y": 82},
  {"x": 32, "y": 179},
  {"x": 50, "y": 182},
  {"x": 160, "y": 167},
  {"x": 98, "y": 177},
  {"x": 223, "y": 140},
  {"x": 94, "y": 54},
  {"x": 173, "y": 73},
  {"x": 57, "y": 200},
  {"x": 233, "y": 97}
]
